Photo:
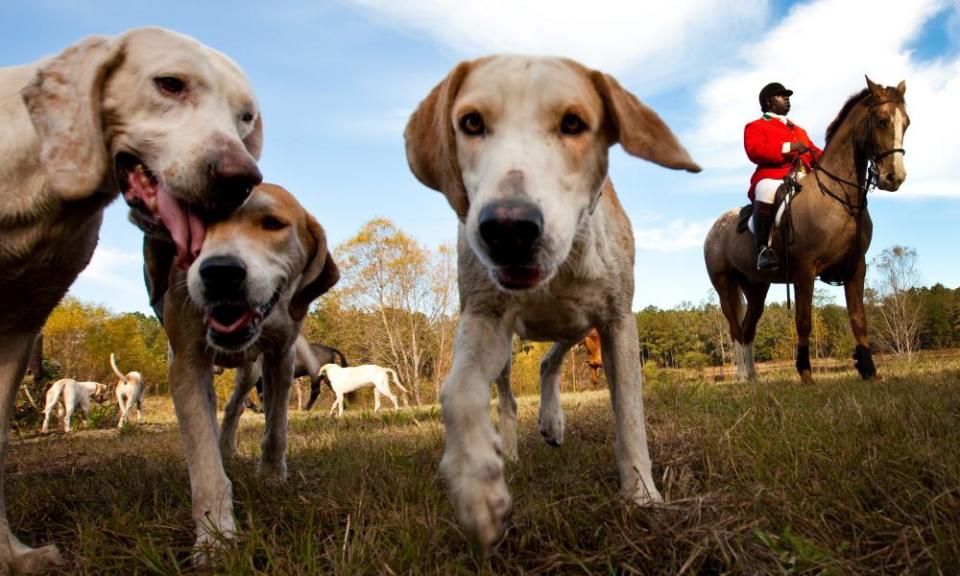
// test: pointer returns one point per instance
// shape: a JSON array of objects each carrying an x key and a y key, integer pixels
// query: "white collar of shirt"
[{"x": 777, "y": 116}]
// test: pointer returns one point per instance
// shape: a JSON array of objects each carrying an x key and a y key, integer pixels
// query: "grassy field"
[{"x": 840, "y": 477}]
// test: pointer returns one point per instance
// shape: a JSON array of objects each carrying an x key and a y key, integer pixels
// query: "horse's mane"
[{"x": 891, "y": 93}]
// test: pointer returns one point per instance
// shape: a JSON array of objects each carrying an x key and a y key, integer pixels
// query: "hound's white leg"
[
  {"x": 333, "y": 406},
  {"x": 47, "y": 413},
  {"x": 14, "y": 352},
  {"x": 740, "y": 362},
  {"x": 376, "y": 399},
  {"x": 393, "y": 398},
  {"x": 67, "y": 418},
  {"x": 551, "y": 414},
  {"x": 472, "y": 464},
  {"x": 748, "y": 362},
  {"x": 507, "y": 413},
  {"x": 191, "y": 383},
  {"x": 277, "y": 376},
  {"x": 244, "y": 381},
  {"x": 620, "y": 349},
  {"x": 140, "y": 409}
]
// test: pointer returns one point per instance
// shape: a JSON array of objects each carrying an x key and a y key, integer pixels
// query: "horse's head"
[{"x": 882, "y": 138}]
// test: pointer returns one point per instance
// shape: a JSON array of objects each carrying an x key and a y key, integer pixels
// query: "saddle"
[{"x": 743, "y": 221}]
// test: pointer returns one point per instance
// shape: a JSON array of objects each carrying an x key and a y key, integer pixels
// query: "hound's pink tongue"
[
  {"x": 234, "y": 326},
  {"x": 185, "y": 227}
]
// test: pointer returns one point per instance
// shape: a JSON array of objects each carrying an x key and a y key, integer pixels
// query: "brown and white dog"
[
  {"x": 158, "y": 116},
  {"x": 519, "y": 147},
  {"x": 245, "y": 296}
]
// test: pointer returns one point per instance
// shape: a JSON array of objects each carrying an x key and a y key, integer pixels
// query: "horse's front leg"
[
  {"x": 803, "y": 285},
  {"x": 853, "y": 290}
]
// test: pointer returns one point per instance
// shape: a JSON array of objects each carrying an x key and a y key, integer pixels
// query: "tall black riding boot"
[{"x": 763, "y": 215}]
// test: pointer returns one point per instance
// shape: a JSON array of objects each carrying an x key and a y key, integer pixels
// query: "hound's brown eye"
[
  {"x": 273, "y": 223},
  {"x": 472, "y": 124},
  {"x": 169, "y": 85},
  {"x": 571, "y": 125},
  {"x": 248, "y": 117}
]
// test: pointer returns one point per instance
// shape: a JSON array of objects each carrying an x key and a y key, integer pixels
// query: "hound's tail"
[
  {"x": 397, "y": 380},
  {"x": 113, "y": 364}
]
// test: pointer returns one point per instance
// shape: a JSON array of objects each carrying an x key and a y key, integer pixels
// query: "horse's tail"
[
  {"x": 397, "y": 380},
  {"x": 343, "y": 359},
  {"x": 113, "y": 364}
]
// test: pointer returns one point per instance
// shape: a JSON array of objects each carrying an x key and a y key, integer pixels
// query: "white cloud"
[
  {"x": 657, "y": 42},
  {"x": 822, "y": 50},
  {"x": 653, "y": 235},
  {"x": 114, "y": 278}
]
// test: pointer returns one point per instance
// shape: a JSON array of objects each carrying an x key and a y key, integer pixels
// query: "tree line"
[{"x": 396, "y": 305}]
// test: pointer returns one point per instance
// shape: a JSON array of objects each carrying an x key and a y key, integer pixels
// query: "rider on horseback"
[{"x": 773, "y": 143}]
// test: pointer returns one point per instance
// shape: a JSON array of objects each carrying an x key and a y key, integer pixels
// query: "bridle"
[{"x": 855, "y": 210}]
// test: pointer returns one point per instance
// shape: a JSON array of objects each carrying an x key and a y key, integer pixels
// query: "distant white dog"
[
  {"x": 68, "y": 395},
  {"x": 129, "y": 393},
  {"x": 344, "y": 380}
]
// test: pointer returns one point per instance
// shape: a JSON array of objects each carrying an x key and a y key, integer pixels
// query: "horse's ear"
[
  {"x": 875, "y": 88},
  {"x": 432, "y": 143},
  {"x": 638, "y": 128},
  {"x": 902, "y": 88}
]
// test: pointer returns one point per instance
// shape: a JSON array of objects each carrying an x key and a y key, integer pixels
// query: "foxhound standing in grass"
[
  {"x": 519, "y": 146},
  {"x": 245, "y": 296},
  {"x": 157, "y": 116},
  {"x": 129, "y": 393},
  {"x": 67, "y": 395},
  {"x": 345, "y": 380}
]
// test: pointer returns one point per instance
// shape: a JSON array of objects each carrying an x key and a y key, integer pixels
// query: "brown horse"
[
  {"x": 831, "y": 229},
  {"x": 594, "y": 356}
]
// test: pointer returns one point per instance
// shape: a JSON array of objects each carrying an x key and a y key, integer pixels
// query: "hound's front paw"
[
  {"x": 480, "y": 496},
  {"x": 643, "y": 496},
  {"x": 34, "y": 560},
  {"x": 551, "y": 424}
]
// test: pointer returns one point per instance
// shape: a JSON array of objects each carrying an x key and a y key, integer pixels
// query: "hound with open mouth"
[
  {"x": 245, "y": 295},
  {"x": 171, "y": 124}
]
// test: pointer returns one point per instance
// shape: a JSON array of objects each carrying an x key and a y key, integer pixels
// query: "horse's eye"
[{"x": 882, "y": 122}]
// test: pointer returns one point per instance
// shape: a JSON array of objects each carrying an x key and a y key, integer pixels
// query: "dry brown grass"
[{"x": 841, "y": 477}]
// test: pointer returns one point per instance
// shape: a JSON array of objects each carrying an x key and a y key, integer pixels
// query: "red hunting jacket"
[{"x": 763, "y": 140}]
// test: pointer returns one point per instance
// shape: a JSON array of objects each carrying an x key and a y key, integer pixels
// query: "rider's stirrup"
[{"x": 767, "y": 260}]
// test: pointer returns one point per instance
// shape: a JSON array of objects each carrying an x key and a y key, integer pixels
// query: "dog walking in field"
[
  {"x": 67, "y": 395},
  {"x": 129, "y": 393},
  {"x": 156, "y": 116},
  {"x": 519, "y": 147},
  {"x": 345, "y": 380},
  {"x": 245, "y": 296}
]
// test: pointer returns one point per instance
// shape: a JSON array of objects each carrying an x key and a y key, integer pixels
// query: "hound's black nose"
[
  {"x": 511, "y": 230},
  {"x": 223, "y": 276}
]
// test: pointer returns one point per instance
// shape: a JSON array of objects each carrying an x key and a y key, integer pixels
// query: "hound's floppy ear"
[
  {"x": 432, "y": 142},
  {"x": 320, "y": 274},
  {"x": 254, "y": 140},
  {"x": 638, "y": 128},
  {"x": 64, "y": 99}
]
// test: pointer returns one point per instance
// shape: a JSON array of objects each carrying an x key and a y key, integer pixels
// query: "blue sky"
[{"x": 337, "y": 80}]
